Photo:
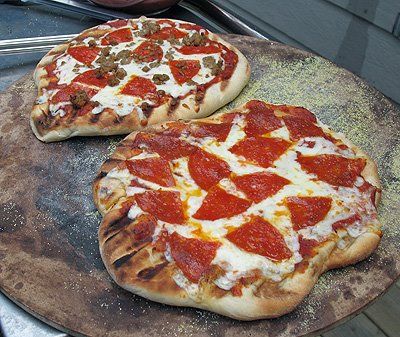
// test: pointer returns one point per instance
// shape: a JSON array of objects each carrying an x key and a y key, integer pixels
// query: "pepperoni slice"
[
  {"x": 117, "y": 36},
  {"x": 307, "y": 211},
  {"x": 346, "y": 222},
  {"x": 50, "y": 69},
  {"x": 259, "y": 186},
  {"x": 164, "y": 205},
  {"x": 118, "y": 23},
  {"x": 295, "y": 111},
  {"x": 166, "y": 146},
  {"x": 301, "y": 128},
  {"x": 230, "y": 60},
  {"x": 166, "y": 21},
  {"x": 207, "y": 169},
  {"x": 149, "y": 51},
  {"x": 184, "y": 70},
  {"x": 261, "y": 119},
  {"x": 258, "y": 236},
  {"x": 229, "y": 117},
  {"x": 220, "y": 204},
  {"x": 307, "y": 246},
  {"x": 144, "y": 228},
  {"x": 333, "y": 169},
  {"x": 192, "y": 256},
  {"x": 218, "y": 131},
  {"x": 167, "y": 33},
  {"x": 65, "y": 93},
  {"x": 89, "y": 77},
  {"x": 139, "y": 86},
  {"x": 156, "y": 170},
  {"x": 259, "y": 150},
  {"x": 84, "y": 54},
  {"x": 190, "y": 50},
  {"x": 190, "y": 26}
]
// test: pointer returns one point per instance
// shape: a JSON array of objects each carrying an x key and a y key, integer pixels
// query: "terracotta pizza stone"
[{"x": 49, "y": 258}]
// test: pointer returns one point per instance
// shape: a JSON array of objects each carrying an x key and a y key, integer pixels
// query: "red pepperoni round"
[
  {"x": 258, "y": 236},
  {"x": 346, "y": 222},
  {"x": 190, "y": 50},
  {"x": 259, "y": 186},
  {"x": 166, "y": 146},
  {"x": 295, "y": 111},
  {"x": 84, "y": 54},
  {"x": 260, "y": 119},
  {"x": 89, "y": 77},
  {"x": 192, "y": 256},
  {"x": 65, "y": 93},
  {"x": 207, "y": 169},
  {"x": 220, "y": 204},
  {"x": 301, "y": 128},
  {"x": 217, "y": 131},
  {"x": 259, "y": 150},
  {"x": 230, "y": 60},
  {"x": 164, "y": 205},
  {"x": 189, "y": 26},
  {"x": 184, "y": 70},
  {"x": 117, "y": 36},
  {"x": 167, "y": 33},
  {"x": 144, "y": 228},
  {"x": 156, "y": 170},
  {"x": 307, "y": 211},
  {"x": 139, "y": 86},
  {"x": 166, "y": 21},
  {"x": 118, "y": 23},
  {"x": 50, "y": 69},
  {"x": 149, "y": 51},
  {"x": 333, "y": 169},
  {"x": 307, "y": 246}
]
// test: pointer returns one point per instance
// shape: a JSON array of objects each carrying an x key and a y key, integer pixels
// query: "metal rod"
[
  {"x": 32, "y": 41},
  {"x": 236, "y": 25},
  {"x": 24, "y": 50}
]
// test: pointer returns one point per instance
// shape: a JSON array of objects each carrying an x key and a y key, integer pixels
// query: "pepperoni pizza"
[
  {"x": 125, "y": 74},
  {"x": 238, "y": 213}
]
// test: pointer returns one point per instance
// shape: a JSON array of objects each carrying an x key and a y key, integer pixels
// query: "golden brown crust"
[
  {"x": 263, "y": 298},
  {"x": 49, "y": 128}
]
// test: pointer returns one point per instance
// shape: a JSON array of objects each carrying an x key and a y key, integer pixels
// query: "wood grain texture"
[{"x": 49, "y": 259}]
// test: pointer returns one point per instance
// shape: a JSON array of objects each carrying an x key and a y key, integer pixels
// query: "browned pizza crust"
[
  {"x": 48, "y": 128},
  {"x": 138, "y": 267}
]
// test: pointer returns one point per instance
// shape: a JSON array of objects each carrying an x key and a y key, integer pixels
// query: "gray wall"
[{"x": 356, "y": 34}]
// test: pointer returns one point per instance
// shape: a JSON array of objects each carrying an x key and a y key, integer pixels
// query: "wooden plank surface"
[{"x": 385, "y": 313}]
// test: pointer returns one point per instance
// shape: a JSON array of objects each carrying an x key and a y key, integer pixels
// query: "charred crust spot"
[
  {"x": 117, "y": 224},
  {"x": 122, "y": 260},
  {"x": 149, "y": 273},
  {"x": 173, "y": 104},
  {"x": 101, "y": 175},
  {"x": 94, "y": 118},
  {"x": 199, "y": 96},
  {"x": 147, "y": 109}
]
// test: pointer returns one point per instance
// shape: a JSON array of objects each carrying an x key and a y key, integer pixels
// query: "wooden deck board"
[
  {"x": 385, "y": 313},
  {"x": 359, "y": 326}
]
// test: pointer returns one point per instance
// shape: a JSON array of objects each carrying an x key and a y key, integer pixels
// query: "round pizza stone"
[{"x": 49, "y": 258}]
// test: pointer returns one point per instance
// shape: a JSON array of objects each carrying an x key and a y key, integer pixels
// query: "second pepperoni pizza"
[
  {"x": 126, "y": 74},
  {"x": 239, "y": 213}
]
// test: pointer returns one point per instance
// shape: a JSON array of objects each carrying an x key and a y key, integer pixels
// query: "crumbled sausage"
[
  {"x": 196, "y": 39},
  {"x": 169, "y": 55},
  {"x": 160, "y": 93},
  {"x": 123, "y": 54},
  {"x": 79, "y": 99},
  {"x": 126, "y": 60},
  {"x": 148, "y": 28},
  {"x": 146, "y": 69},
  {"x": 146, "y": 108},
  {"x": 120, "y": 73},
  {"x": 160, "y": 78},
  {"x": 216, "y": 67},
  {"x": 199, "y": 96},
  {"x": 92, "y": 43},
  {"x": 113, "y": 81},
  {"x": 105, "y": 51},
  {"x": 154, "y": 64},
  {"x": 174, "y": 101}
]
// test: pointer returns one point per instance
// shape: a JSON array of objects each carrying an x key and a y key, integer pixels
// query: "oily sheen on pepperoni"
[
  {"x": 189, "y": 50},
  {"x": 89, "y": 77},
  {"x": 164, "y": 205},
  {"x": 220, "y": 204},
  {"x": 144, "y": 228},
  {"x": 84, "y": 54},
  {"x": 64, "y": 94},
  {"x": 217, "y": 131},
  {"x": 346, "y": 222},
  {"x": 184, "y": 70},
  {"x": 167, "y": 33},
  {"x": 117, "y": 36},
  {"x": 301, "y": 128},
  {"x": 207, "y": 169},
  {"x": 295, "y": 111},
  {"x": 148, "y": 52},
  {"x": 307, "y": 211},
  {"x": 260, "y": 150},
  {"x": 333, "y": 169},
  {"x": 258, "y": 236},
  {"x": 139, "y": 86},
  {"x": 260, "y": 119},
  {"x": 156, "y": 170},
  {"x": 166, "y": 146},
  {"x": 259, "y": 186},
  {"x": 307, "y": 246},
  {"x": 192, "y": 256}
]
